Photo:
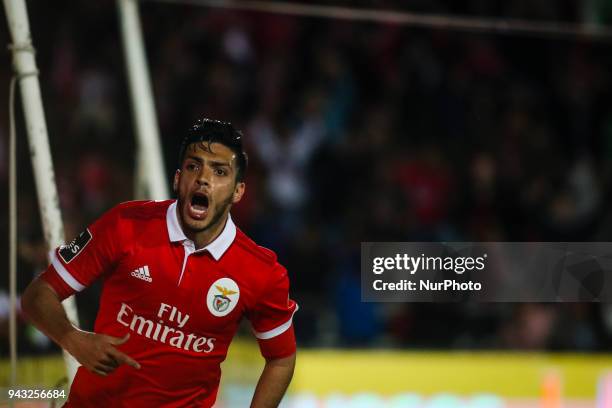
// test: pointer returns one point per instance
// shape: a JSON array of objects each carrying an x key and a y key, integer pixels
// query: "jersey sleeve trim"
[
  {"x": 278, "y": 330},
  {"x": 64, "y": 274}
]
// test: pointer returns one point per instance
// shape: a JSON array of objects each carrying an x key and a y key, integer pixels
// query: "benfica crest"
[
  {"x": 222, "y": 297},
  {"x": 222, "y": 301}
]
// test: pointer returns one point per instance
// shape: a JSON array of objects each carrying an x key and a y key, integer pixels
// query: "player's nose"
[{"x": 204, "y": 176}]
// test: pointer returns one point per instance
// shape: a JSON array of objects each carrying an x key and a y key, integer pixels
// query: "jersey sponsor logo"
[
  {"x": 222, "y": 297},
  {"x": 168, "y": 329},
  {"x": 142, "y": 273},
  {"x": 73, "y": 249}
]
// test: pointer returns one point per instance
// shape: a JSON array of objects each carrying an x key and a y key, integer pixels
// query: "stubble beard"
[{"x": 219, "y": 211}]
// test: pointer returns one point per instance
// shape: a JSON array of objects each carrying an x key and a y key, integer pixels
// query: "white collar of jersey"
[{"x": 216, "y": 248}]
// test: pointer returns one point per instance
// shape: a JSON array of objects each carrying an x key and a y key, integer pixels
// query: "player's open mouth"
[{"x": 198, "y": 207}]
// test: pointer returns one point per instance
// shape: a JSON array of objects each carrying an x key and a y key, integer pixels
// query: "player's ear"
[
  {"x": 238, "y": 192},
  {"x": 175, "y": 183}
]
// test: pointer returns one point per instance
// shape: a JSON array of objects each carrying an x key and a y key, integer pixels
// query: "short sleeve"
[
  {"x": 272, "y": 317},
  {"x": 94, "y": 252}
]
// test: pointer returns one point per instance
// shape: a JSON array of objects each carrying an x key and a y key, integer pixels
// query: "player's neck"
[{"x": 203, "y": 238}]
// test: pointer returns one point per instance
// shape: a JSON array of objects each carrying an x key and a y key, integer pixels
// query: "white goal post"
[
  {"x": 151, "y": 177},
  {"x": 48, "y": 202}
]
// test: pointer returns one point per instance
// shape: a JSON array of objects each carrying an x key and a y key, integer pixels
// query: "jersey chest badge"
[{"x": 222, "y": 297}]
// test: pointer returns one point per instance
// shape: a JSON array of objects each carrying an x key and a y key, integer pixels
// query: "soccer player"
[{"x": 178, "y": 278}]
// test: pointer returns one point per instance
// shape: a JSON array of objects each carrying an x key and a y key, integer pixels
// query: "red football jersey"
[{"x": 181, "y": 306}]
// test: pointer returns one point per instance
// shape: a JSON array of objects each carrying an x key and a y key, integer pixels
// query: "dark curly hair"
[{"x": 215, "y": 131}]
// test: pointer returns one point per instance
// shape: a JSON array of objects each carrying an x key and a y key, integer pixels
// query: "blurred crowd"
[{"x": 355, "y": 132}]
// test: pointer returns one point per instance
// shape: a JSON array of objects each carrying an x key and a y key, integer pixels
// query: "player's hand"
[{"x": 97, "y": 352}]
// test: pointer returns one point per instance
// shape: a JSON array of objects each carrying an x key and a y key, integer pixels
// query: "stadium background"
[{"x": 355, "y": 132}]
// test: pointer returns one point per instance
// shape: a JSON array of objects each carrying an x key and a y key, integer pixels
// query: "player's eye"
[
  {"x": 220, "y": 172},
  {"x": 192, "y": 166}
]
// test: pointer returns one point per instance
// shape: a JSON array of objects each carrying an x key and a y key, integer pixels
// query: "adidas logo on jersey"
[{"x": 142, "y": 273}]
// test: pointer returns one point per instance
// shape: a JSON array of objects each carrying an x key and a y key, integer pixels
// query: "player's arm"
[
  {"x": 273, "y": 382},
  {"x": 96, "y": 352},
  {"x": 272, "y": 321},
  {"x": 74, "y": 267}
]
